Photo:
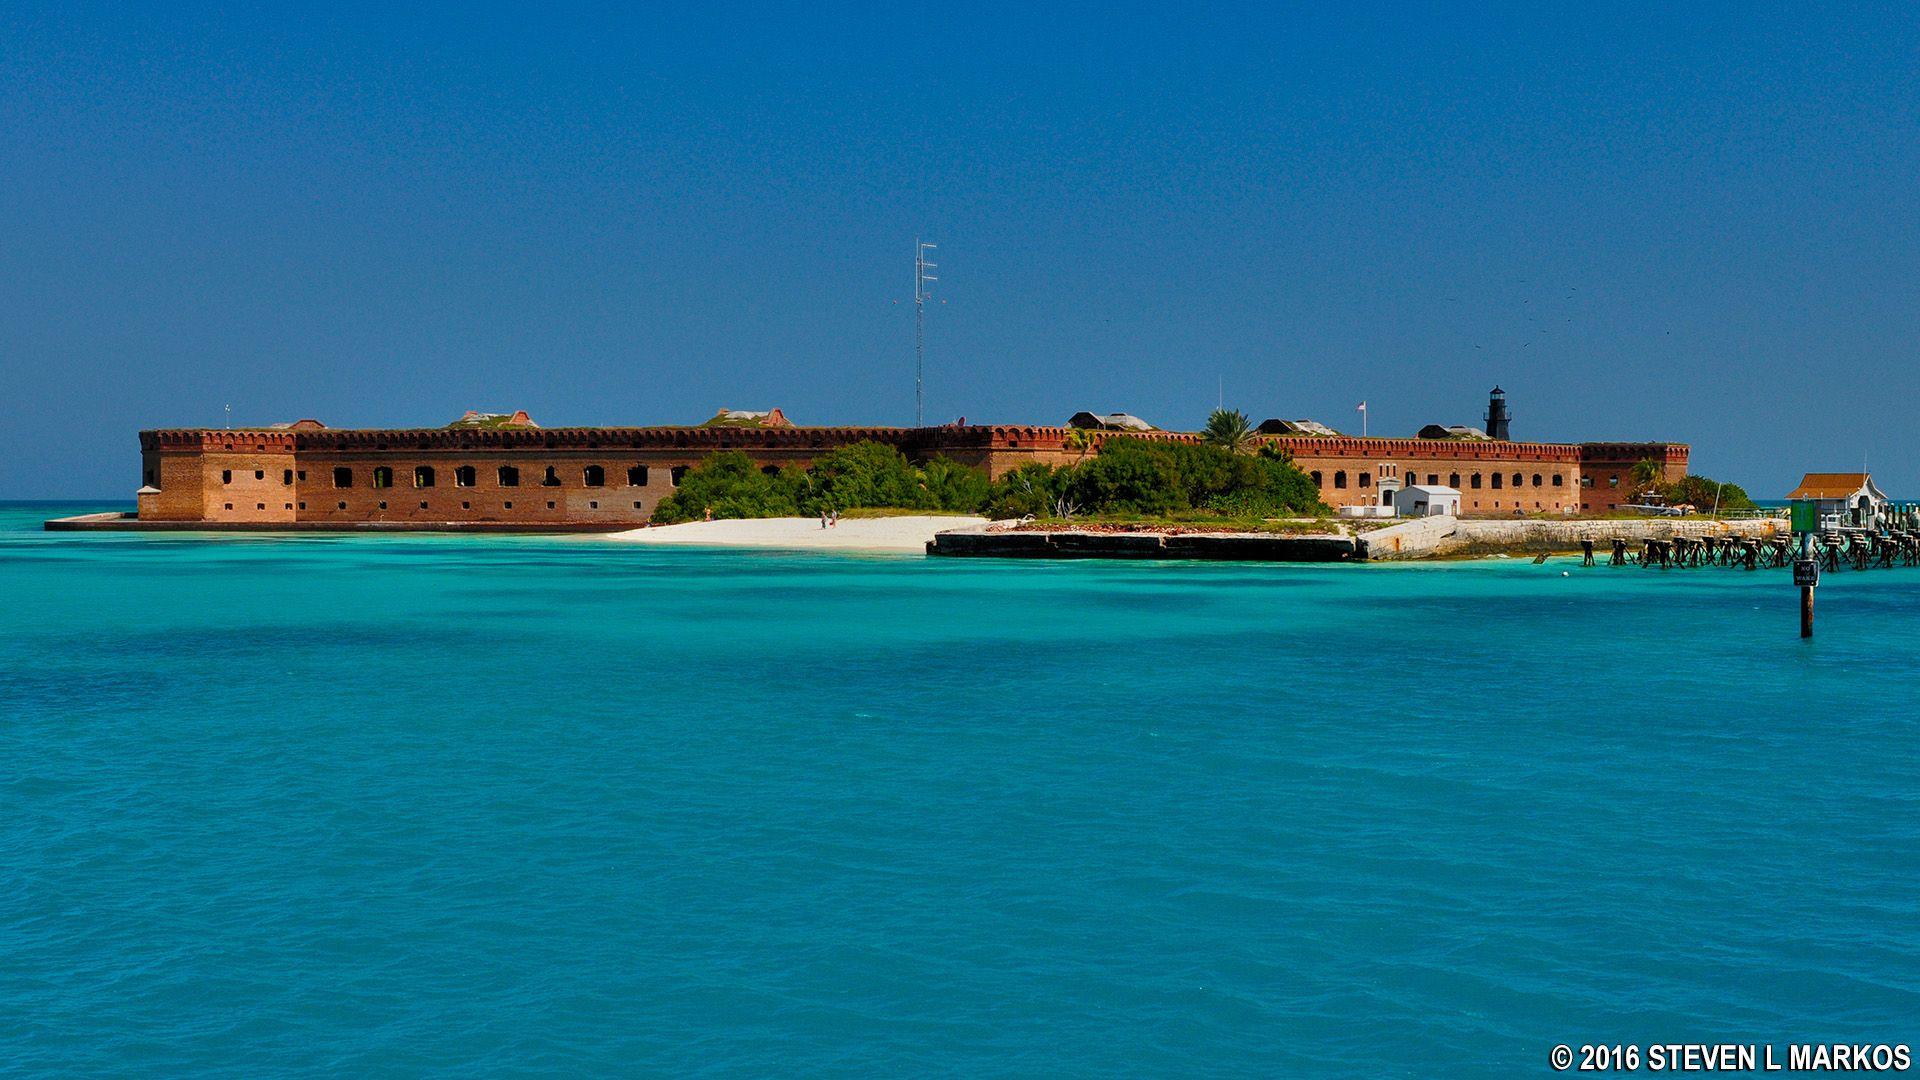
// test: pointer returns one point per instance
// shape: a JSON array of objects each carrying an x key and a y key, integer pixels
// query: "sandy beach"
[{"x": 851, "y": 534}]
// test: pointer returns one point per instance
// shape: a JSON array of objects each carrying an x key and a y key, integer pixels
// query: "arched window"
[
  {"x": 343, "y": 477},
  {"x": 1516, "y": 479},
  {"x": 1557, "y": 480},
  {"x": 423, "y": 476},
  {"x": 636, "y": 476},
  {"x": 382, "y": 476},
  {"x": 678, "y": 473},
  {"x": 509, "y": 476},
  {"x": 1536, "y": 479},
  {"x": 1318, "y": 481},
  {"x": 463, "y": 476},
  {"x": 1476, "y": 481},
  {"x": 552, "y": 479},
  {"x": 1433, "y": 479},
  {"x": 1453, "y": 481},
  {"x": 593, "y": 476},
  {"x": 1366, "y": 479},
  {"x": 1496, "y": 481},
  {"x": 1340, "y": 478}
]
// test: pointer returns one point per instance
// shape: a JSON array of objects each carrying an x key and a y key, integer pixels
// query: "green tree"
[
  {"x": 1230, "y": 430},
  {"x": 952, "y": 486},
  {"x": 863, "y": 474},
  {"x": 1646, "y": 475},
  {"x": 1288, "y": 487},
  {"x": 1127, "y": 476},
  {"x": 1032, "y": 490},
  {"x": 1705, "y": 493},
  {"x": 731, "y": 486},
  {"x": 1141, "y": 476}
]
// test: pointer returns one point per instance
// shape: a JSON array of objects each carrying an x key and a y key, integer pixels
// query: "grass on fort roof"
[{"x": 489, "y": 423}]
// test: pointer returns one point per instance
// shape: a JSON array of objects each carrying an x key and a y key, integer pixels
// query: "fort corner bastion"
[{"x": 502, "y": 472}]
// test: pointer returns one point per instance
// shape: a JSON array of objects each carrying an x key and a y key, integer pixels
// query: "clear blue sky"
[{"x": 1664, "y": 221}]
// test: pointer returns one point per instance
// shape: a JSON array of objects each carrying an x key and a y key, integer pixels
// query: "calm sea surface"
[{"x": 535, "y": 806}]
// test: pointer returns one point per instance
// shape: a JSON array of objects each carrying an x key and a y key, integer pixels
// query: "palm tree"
[
  {"x": 1230, "y": 430},
  {"x": 1080, "y": 439},
  {"x": 1645, "y": 476}
]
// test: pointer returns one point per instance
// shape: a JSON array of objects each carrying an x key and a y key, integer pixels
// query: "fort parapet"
[{"x": 613, "y": 477}]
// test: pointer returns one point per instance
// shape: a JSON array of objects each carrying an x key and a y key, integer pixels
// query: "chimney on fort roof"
[{"x": 1497, "y": 417}]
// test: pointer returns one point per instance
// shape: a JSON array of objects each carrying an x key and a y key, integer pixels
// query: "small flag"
[{"x": 1362, "y": 406}]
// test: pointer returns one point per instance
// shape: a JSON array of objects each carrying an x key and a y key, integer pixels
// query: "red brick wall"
[
  {"x": 242, "y": 476},
  {"x": 569, "y": 500},
  {"x": 1548, "y": 473},
  {"x": 181, "y": 478},
  {"x": 237, "y": 476},
  {"x": 1609, "y": 468}
]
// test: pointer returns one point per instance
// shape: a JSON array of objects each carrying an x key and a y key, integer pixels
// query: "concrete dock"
[{"x": 1083, "y": 544}]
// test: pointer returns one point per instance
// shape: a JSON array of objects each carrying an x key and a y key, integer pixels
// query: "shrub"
[
  {"x": 1140, "y": 476},
  {"x": 1701, "y": 492},
  {"x": 864, "y": 474},
  {"x": 732, "y": 486},
  {"x": 1290, "y": 488},
  {"x": 1030, "y": 490},
  {"x": 952, "y": 486},
  {"x": 1127, "y": 476}
]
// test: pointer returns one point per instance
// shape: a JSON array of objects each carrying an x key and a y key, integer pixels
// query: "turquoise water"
[{"x": 534, "y": 806}]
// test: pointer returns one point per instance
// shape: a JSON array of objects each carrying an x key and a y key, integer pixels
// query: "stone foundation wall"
[{"x": 1445, "y": 537}]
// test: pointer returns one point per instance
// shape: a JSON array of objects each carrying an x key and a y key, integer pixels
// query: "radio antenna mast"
[{"x": 921, "y": 290}]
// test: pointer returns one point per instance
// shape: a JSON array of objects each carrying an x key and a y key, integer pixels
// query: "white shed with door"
[{"x": 1426, "y": 500}]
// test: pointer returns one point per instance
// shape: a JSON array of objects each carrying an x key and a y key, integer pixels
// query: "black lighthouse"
[{"x": 1497, "y": 418}]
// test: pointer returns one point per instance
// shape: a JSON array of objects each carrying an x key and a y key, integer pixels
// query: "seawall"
[
  {"x": 1446, "y": 537},
  {"x": 1071, "y": 544}
]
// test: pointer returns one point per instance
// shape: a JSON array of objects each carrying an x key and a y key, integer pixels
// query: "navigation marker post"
[{"x": 1806, "y": 571}]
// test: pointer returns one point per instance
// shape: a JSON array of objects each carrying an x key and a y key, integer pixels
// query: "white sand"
[{"x": 852, "y": 534}]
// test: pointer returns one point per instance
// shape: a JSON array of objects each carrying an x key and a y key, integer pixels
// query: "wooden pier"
[{"x": 1848, "y": 549}]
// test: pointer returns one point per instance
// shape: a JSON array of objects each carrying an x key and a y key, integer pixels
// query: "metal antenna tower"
[{"x": 921, "y": 291}]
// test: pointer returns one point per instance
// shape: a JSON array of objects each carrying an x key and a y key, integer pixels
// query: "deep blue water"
[{"x": 534, "y": 806}]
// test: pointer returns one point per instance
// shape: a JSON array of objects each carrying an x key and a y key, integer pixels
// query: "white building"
[
  {"x": 1423, "y": 500},
  {"x": 1848, "y": 500}
]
